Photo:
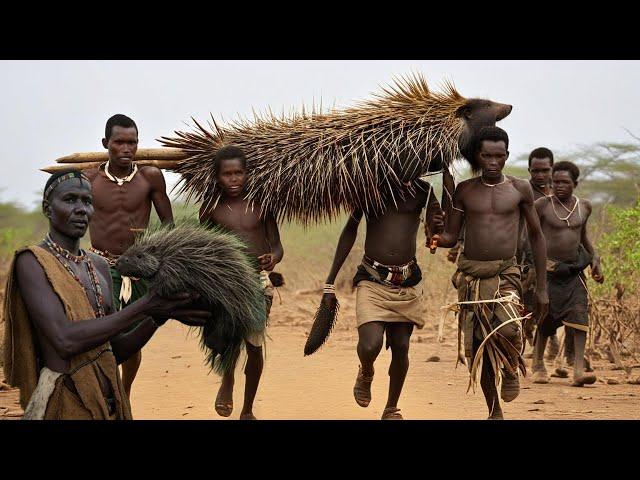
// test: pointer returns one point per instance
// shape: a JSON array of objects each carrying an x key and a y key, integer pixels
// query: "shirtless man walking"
[
  {"x": 122, "y": 198},
  {"x": 563, "y": 218},
  {"x": 389, "y": 291},
  {"x": 491, "y": 206},
  {"x": 260, "y": 233}
]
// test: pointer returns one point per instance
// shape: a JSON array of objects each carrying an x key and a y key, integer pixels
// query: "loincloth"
[
  {"x": 380, "y": 303},
  {"x": 568, "y": 295},
  {"x": 486, "y": 281}
]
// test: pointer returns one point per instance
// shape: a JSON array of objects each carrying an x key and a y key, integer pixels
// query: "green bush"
[{"x": 620, "y": 248}]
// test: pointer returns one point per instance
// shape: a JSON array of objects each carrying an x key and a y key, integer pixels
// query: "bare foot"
[
  {"x": 560, "y": 372},
  {"x": 247, "y": 416},
  {"x": 540, "y": 377},
  {"x": 362, "y": 388},
  {"x": 391, "y": 413},
  {"x": 582, "y": 380},
  {"x": 224, "y": 400}
]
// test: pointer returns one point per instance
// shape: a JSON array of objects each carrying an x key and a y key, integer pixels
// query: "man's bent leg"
[
  {"x": 370, "y": 337},
  {"x": 253, "y": 372},
  {"x": 398, "y": 337}
]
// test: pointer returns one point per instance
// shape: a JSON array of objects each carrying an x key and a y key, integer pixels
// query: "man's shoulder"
[
  {"x": 149, "y": 171},
  {"x": 542, "y": 200},
  {"x": 465, "y": 184},
  {"x": 91, "y": 173},
  {"x": 522, "y": 185},
  {"x": 519, "y": 182},
  {"x": 98, "y": 261},
  {"x": 586, "y": 204}
]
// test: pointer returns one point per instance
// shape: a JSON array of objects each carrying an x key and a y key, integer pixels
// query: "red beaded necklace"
[{"x": 61, "y": 253}]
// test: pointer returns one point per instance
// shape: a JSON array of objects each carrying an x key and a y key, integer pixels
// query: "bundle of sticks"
[{"x": 164, "y": 158}]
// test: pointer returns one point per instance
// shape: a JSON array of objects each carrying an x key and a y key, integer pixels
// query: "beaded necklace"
[
  {"x": 566, "y": 219},
  {"x": 504, "y": 179},
  {"x": 61, "y": 253}
]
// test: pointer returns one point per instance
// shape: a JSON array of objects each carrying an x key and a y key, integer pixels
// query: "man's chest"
[
  {"x": 237, "y": 218},
  {"x": 499, "y": 200},
  {"x": 130, "y": 196}
]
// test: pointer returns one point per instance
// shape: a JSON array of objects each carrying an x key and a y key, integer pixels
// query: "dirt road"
[{"x": 173, "y": 382}]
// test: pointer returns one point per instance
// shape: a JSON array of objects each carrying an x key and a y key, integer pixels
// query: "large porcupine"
[
  {"x": 312, "y": 166},
  {"x": 192, "y": 258}
]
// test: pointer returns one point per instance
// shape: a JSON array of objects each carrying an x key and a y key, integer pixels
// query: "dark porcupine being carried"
[
  {"x": 213, "y": 264},
  {"x": 313, "y": 166}
]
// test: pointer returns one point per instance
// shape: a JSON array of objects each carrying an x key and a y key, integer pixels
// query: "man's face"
[
  {"x": 540, "y": 171},
  {"x": 232, "y": 176},
  {"x": 563, "y": 184},
  {"x": 122, "y": 146},
  {"x": 491, "y": 158},
  {"x": 70, "y": 207}
]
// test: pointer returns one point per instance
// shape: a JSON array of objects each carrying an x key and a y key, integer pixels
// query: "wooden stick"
[
  {"x": 162, "y": 164},
  {"x": 141, "y": 154}
]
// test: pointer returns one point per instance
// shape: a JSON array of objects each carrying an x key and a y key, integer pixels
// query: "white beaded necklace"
[
  {"x": 504, "y": 179},
  {"x": 566, "y": 219}
]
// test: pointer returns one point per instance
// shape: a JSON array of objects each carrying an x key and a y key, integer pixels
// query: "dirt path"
[{"x": 173, "y": 382}]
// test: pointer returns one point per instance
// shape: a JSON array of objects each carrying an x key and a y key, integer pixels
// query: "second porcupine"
[{"x": 190, "y": 258}]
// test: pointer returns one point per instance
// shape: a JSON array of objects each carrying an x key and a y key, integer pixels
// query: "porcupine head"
[
  {"x": 140, "y": 261},
  {"x": 469, "y": 117}
]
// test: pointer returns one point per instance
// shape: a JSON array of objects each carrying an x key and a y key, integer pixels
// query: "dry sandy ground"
[{"x": 173, "y": 382}]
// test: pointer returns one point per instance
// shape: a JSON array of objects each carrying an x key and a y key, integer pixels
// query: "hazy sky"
[{"x": 54, "y": 108}]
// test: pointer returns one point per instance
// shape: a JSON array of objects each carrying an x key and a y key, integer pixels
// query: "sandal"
[
  {"x": 362, "y": 388},
  {"x": 391, "y": 413},
  {"x": 223, "y": 409}
]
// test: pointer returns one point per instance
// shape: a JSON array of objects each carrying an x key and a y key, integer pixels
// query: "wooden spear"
[
  {"x": 162, "y": 164},
  {"x": 141, "y": 154}
]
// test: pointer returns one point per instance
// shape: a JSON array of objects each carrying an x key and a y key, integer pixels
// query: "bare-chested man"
[
  {"x": 260, "y": 233},
  {"x": 63, "y": 328},
  {"x": 491, "y": 207},
  {"x": 389, "y": 293},
  {"x": 122, "y": 196},
  {"x": 540, "y": 164},
  {"x": 564, "y": 218}
]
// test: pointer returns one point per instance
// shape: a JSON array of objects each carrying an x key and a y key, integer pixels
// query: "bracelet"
[{"x": 329, "y": 288}]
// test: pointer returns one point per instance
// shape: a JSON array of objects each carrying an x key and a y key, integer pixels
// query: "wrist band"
[{"x": 329, "y": 288}]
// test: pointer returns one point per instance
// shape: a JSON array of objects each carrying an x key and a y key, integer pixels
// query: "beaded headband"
[{"x": 63, "y": 178}]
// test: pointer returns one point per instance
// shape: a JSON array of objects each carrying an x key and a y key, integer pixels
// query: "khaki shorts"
[{"x": 380, "y": 303}]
